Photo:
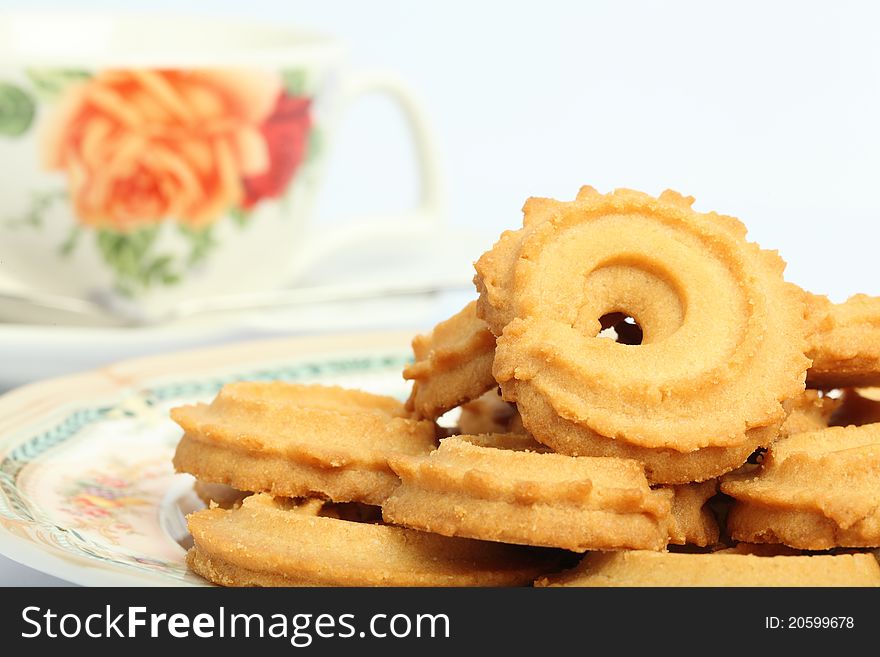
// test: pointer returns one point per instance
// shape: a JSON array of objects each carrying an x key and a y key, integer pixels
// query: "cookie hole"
[{"x": 620, "y": 327}]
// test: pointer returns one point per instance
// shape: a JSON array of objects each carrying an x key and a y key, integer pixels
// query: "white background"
[{"x": 767, "y": 111}]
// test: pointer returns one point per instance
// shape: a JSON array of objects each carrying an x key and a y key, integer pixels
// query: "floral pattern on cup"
[{"x": 139, "y": 148}]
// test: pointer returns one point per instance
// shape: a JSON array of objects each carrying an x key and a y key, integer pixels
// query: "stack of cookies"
[{"x": 632, "y": 383}]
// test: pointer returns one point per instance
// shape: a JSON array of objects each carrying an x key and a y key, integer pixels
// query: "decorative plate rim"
[{"x": 22, "y": 408}]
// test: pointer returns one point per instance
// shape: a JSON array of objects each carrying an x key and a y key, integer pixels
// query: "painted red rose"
[{"x": 286, "y": 132}]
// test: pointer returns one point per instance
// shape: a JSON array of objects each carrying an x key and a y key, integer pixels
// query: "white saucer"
[{"x": 363, "y": 291}]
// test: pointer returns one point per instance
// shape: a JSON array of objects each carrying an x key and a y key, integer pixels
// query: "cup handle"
[{"x": 406, "y": 226}]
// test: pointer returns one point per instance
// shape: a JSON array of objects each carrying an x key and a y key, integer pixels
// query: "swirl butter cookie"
[
  {"x": 723, "y": 568},
  {"x": 810, "y": 411},
  {"x": 814, "y": 491},
  {"x": 294, "y": 440},
  {"x": 453, "y": 364},
  {"x": 722, "y": 334},
  {"x": 502, "y": 488},
  {"x": 276, "y": 542},
  {"x": 844, "y": 341}
]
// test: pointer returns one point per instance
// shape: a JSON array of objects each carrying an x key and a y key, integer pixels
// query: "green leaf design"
[
  {"x": 16, "y": 110},
  {"x": 202, "y": 241},
  {"x": 50, "y": 83},
  {"x": 68, "y": 246},
  {"x": 130, "y": 257},
  {"x": 315, "y": 145},
  {"x": 294, "y": 81},
  {"x": 40, "y": 204},
  {"x": 240, "y": 216}
]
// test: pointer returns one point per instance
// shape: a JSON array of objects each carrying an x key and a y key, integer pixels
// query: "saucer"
[
  {"x": 366, "y": 289},
  {"x": 34, "y": 352}
]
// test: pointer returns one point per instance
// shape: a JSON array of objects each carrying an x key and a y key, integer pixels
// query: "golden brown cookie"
[
  {"x": 662, "y": 466},
  {"x": 844, "y": 341},
  {"x": 273, "y": 542},
  {"x": 496, "y": 488},
  {"x": 814, "y": 491},
  {"x": 693, "y": 522},
  {"x": 294, "y": 440},
  {"x": 723, "y": 335},
  {"x": 489, "y": 414},
  {"x": 809, "y": 412},
  {"x": 453, "y": 364},
  {"x": 722, "y": 568}
]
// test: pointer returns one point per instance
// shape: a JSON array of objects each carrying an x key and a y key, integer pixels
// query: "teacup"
[{"x": 150, "y": 162}]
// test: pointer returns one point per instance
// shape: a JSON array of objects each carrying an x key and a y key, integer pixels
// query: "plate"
[{"x": 87, "y": 490}]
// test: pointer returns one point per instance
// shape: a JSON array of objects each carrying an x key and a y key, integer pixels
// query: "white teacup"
[{"x": 148, "y": 163}]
